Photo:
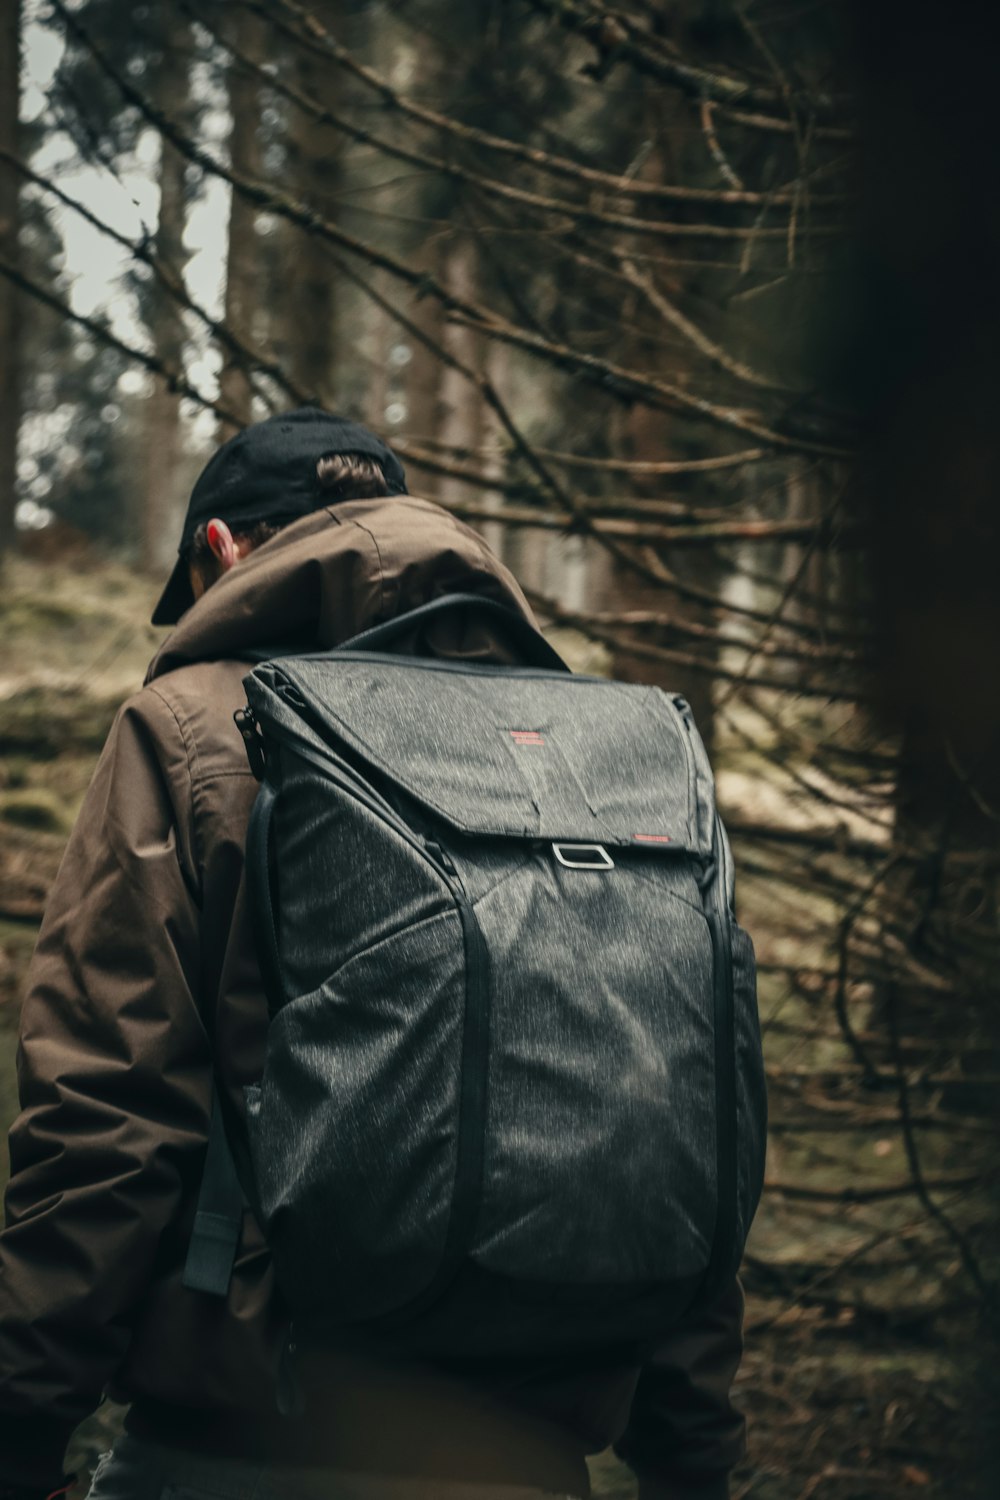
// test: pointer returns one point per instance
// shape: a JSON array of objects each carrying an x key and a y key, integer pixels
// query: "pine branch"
[
  {"x": 168, "y": 279},
  {"x": 618, "y": 40},
  {"x": 175, "y": 380},
  {"x": 616, "y": 380},
  {"x": 310, "y": 32},
  {"x": 572, "y": 213},
  {"x": 825, "y": 533}
]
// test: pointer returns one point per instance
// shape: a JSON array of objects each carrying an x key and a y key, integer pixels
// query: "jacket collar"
[{"x": 329, "y": 576}]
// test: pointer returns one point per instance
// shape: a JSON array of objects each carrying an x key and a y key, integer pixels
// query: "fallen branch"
[{"x": 874, "y": 1194}]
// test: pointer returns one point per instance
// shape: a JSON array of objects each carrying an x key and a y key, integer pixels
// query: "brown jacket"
[{"x": 146, "y": 925}]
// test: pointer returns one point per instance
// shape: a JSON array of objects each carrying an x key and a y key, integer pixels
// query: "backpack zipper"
[
  {"x": 716, "y": 908},
  {"x": 467, "y": 1190}
]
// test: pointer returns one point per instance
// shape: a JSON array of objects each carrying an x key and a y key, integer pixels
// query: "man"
[{"x": 299, "y": 535}]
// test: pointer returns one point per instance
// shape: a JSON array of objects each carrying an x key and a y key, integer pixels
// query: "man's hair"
[
  {"x": 342, "y": 476},
  {"x": 351, "y": 476}
]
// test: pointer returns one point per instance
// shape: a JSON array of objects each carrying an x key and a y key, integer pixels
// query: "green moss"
[
  {"x": 36, "y": 809},
  {"x": 28, "y": 615},
  {"x": 42, "y": 721},
  {"x": 15, "y": 771}
]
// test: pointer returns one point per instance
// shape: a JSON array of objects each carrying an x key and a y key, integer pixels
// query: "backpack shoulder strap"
[{"x": 218, "y": 1221}]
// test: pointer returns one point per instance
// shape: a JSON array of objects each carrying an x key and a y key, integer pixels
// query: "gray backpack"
[{"x": 513, "y": 1102}]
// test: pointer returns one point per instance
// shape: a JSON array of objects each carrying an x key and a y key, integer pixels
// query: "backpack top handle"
[{"x": 529, "y": 642}]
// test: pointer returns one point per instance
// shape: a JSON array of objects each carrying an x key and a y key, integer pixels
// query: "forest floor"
[{"x": 857, "y": 1378}]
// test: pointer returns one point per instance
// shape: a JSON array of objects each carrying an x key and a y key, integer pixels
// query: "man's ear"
[{"x": 222, "y": 543}]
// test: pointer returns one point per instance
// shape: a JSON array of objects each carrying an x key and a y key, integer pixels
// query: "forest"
[{"x": 691, "y": 308}]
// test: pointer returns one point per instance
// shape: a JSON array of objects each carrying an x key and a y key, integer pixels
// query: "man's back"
[{"x": 145, "y": 971}]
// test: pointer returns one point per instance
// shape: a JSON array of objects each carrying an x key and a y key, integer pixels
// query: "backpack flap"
[{"x": 504, "y": 752}]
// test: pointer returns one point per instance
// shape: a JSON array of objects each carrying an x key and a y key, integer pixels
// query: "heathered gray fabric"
[
  {"x": 353, "y": 1131},
  {"x": 601, "y": 1108},
  {"x": 600, "y": 1151},
  {"x": 328, "y": 841},
  {"x": 615, "y": 759},
  {"x": 367, "y": 1052}
]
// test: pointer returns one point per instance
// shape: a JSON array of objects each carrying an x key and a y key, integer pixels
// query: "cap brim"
[{"x": 176, "y": 598}]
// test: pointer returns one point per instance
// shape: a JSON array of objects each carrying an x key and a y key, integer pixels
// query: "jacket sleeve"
[
  {"x": 684, "y": 1434},
  {"x": 114, "y": 1088}
]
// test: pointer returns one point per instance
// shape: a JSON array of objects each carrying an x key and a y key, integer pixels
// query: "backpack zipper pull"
[{"x": 246, "y": 723}]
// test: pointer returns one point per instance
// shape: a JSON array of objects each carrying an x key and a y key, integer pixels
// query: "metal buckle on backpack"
[{"x": 605, "y": 862}]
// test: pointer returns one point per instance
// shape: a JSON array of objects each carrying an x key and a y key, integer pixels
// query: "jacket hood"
[{"x": 334, "y": 573}]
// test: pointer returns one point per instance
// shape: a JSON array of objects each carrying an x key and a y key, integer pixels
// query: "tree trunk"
[
  {"x": 315, "y": 161},
  {"x": 929, "y": 402},
  {"x": 645, "y": 436},
  {"x": 10, "y": 301},
  {"x": 242, "y": 311},
  {"x": 164, "y": 498},
  {"x": 423, "y": 379},
  {"x": 461, "y": 402},
  {"x": 413, "y": 369}
]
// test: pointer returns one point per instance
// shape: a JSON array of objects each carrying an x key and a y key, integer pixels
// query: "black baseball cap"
[{"x": 267, "y": 472}]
